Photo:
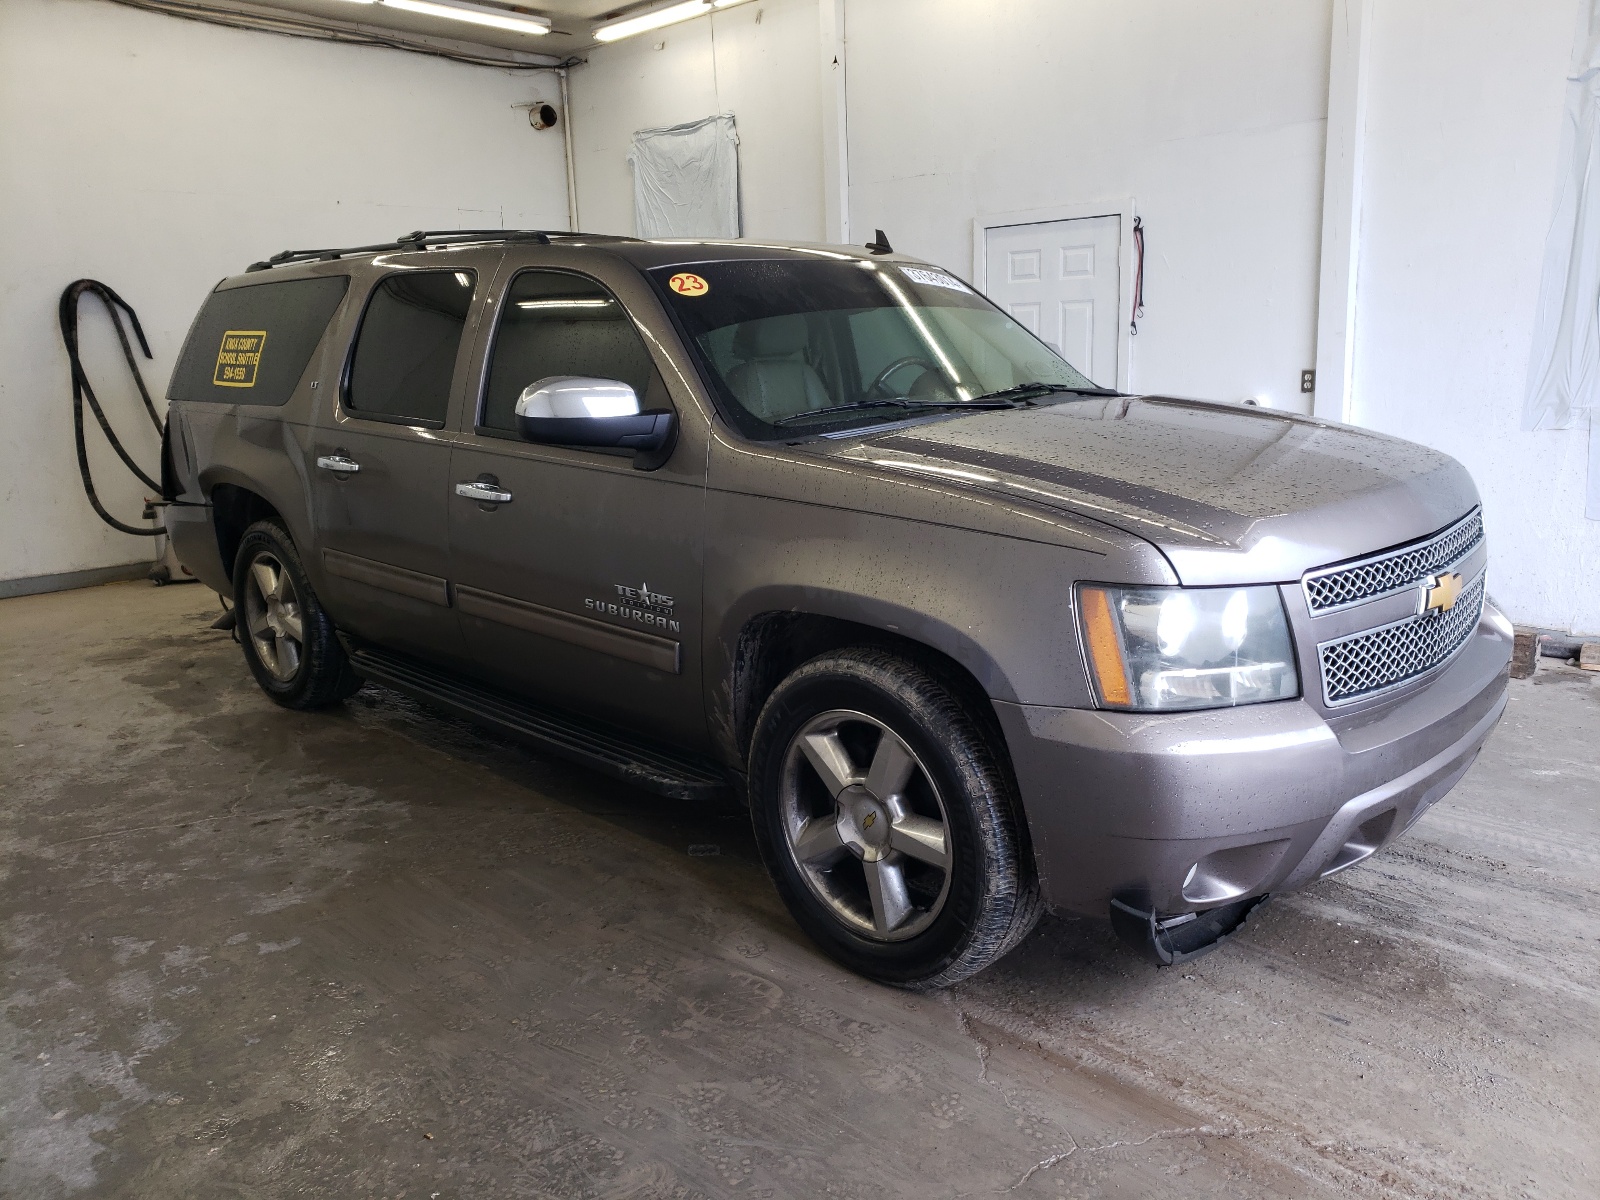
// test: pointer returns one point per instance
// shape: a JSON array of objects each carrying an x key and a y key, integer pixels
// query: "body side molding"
[
  {"x": 662, "y": 654},
  {"x": 391, "y": 578}
]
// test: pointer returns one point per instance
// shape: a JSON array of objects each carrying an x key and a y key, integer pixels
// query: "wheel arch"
[
  {"x": 234, "y": 508},
  {"x": 771, "y": 641}
]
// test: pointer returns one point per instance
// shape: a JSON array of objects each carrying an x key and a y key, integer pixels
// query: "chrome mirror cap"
[
  {"x": 577, "y": 396},
  {"x": 595, "y": 414}
]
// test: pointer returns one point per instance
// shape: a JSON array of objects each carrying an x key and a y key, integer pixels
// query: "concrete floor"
[{"x": 374, "y": 953}]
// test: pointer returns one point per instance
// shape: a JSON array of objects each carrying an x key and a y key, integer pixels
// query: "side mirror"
[{"x": 603, "y": 414}]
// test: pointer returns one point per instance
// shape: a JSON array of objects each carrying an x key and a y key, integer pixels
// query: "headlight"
[{"x": 1165, "y": 648}]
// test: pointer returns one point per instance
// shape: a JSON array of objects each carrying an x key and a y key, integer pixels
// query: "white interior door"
[{"x": 1063, "y": 280}]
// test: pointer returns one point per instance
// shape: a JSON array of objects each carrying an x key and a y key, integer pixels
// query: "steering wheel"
[{"x": 882, "y": 377}]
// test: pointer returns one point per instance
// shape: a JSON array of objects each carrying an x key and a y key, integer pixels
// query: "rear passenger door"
[
  {"x": 380, "y": 476},
  {"x": 582, "y": 587}
]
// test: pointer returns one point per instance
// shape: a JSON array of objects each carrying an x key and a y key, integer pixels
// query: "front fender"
[
  {"x": 875, "y": 612},
  {"x": 1001, "y": 607}
]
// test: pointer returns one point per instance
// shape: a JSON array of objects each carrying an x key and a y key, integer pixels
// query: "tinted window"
[
  {"x": 406, "y": 350},
  {"x": 556, "y": 324},
  {"x": 250, "y": 345}
]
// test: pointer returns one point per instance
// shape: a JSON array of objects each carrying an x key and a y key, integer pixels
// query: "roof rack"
[{"x": 419, "y": 239}]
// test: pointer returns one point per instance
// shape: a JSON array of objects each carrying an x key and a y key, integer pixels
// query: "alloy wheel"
[
  {"x": 272, "y": 617},
  {"x": 866, "y": 826}
]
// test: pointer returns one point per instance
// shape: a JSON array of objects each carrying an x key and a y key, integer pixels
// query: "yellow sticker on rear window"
[
  {"x": 239, "y": 357},
  {"x": 686, "y": 284}
]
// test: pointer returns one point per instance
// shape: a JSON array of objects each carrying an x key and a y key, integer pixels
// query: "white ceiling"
[{"x": 573, "y": 19}]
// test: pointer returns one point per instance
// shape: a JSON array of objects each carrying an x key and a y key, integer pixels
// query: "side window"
[
  {"x": 406, "y": 350},
  {"x": 558, "y": 324},
  {"x": 250, "y": 344}
]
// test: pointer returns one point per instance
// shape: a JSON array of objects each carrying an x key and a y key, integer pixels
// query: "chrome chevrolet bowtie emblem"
[{"x": 1440, "y": 592}]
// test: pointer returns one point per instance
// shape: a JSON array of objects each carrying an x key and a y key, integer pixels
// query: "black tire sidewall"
[{"x": 985, "y": 869}]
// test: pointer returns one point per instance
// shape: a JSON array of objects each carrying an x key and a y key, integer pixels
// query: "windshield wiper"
[
  {"x": 995, "y": 400},
  {"x": 1022, "y": 390}
]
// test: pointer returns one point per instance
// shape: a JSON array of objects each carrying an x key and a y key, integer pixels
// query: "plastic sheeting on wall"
[
  {"x": 1592, "y": 504},
  {"x": 1564, "y": 372},
  {"x": 686, "y": 180}
]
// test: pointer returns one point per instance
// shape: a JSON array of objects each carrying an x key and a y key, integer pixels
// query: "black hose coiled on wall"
[{"x": 81, "y": 390}]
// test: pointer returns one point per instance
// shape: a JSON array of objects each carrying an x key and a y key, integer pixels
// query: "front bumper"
[{"x": 1180, "y": 812}]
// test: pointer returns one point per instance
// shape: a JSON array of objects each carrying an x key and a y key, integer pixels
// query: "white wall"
[
  {"x": 757, "y": 61},
  {"x": 1210, "y": 116},
  {"x": 159, "y": 155},
  {"x": 1464, "y": 124}
]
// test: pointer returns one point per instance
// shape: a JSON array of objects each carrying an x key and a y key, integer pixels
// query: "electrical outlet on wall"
[{"x": 1308, "y": 381}]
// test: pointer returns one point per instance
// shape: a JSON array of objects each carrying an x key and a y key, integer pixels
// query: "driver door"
[{"x": 580, "y": 586}]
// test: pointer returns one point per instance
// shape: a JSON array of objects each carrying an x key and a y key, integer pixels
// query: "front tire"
[
  {"x": 288, "y": 640},
  {"x": 887, "y": 822}
]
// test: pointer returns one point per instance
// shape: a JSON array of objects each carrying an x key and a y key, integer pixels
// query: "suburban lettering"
[{"x": 628, "y": 612}]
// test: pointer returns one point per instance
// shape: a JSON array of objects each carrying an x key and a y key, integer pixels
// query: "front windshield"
[{"x": 789, "y": 341}]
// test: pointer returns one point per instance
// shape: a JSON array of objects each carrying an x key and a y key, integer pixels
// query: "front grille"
[
  {"x": 1374, "y": 660},
  {"x": 1393, "y": 570}
]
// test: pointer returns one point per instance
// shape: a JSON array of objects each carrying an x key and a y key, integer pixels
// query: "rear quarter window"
[{"x": 251, "y": 344}]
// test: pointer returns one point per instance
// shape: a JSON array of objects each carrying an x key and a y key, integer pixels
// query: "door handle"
[
  {"x": 478, "y": 489},
  {"x": 338, "y": 463}
]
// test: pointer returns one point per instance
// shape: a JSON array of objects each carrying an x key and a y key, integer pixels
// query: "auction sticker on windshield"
[
  {"x": 934, "y": 278},
  {"x": 687, "y": 284}
]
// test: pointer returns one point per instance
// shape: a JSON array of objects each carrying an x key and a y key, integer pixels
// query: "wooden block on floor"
[
  {"x": 1589, "y": 656},
  {"x": 1525, "y": 654}
]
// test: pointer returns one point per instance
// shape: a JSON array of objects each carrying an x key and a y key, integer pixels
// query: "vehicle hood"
[{"x": 1230, "y": 494}]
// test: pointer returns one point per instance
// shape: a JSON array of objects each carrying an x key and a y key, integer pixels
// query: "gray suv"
[{"x": 971, "y": 635}]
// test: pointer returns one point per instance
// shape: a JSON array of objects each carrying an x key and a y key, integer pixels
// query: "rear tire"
[
  {"x": 288, "y": 640},
  {"x": 887, "y": 822}
]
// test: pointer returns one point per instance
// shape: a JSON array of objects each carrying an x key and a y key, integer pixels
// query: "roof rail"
[{"x": 419, "y": 239}]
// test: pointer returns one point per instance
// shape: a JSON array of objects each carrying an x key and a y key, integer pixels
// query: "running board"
[{"x": 600, "y": 747}]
